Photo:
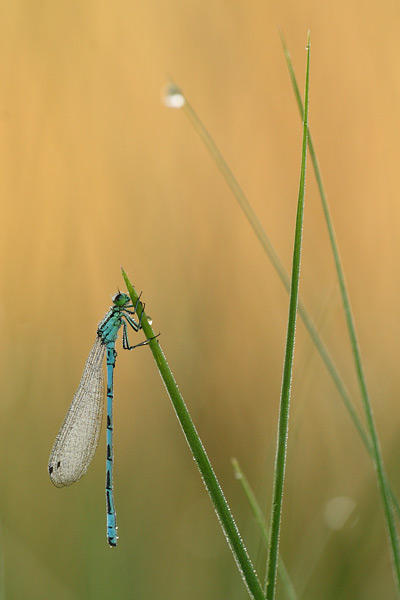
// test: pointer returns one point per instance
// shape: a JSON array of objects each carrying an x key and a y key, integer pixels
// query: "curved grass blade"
[{"x": 210, "y": 480}]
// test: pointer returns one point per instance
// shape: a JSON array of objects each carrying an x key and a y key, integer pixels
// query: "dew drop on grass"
[{"x": 172, "y": 96}]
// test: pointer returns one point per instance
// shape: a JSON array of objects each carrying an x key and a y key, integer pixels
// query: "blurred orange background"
[{"x": 97, "y": 173}]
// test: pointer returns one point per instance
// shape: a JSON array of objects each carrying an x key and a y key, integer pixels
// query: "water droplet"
[{"x": 172, "y": 96}]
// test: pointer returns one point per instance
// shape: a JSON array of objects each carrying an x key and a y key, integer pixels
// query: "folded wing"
[{"x": 78, "y": 437}]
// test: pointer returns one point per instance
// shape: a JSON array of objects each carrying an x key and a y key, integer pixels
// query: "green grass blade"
[
  {"x": 283, "y": 424},
  {"x": 273, "y": 256},
  {"x": 219, "y": 502},
  {"x": 385, "y": 491},
  {"x": 259, "y": 517}
]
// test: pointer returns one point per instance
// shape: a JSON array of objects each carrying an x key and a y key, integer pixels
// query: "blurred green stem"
[
  {"x": 199, "y": 454},
  {"x": 276, "y": 263},
  {"x": 259, "y": 517}
]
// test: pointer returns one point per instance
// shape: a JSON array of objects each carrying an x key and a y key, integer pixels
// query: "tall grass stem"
[
  {"x": 283, "y": 423},
  {"x": 386, "y": 494}
]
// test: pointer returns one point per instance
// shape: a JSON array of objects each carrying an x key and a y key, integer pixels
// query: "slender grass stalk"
[
  {"x": 371, "y": 446},
  {"x": 259, "y": 517},
  {"x": 283, "y": 424},
  {"x": 219, "y": 502},
  {"x": 182, "y": 101},
  {"x": 375, "y": 451}
]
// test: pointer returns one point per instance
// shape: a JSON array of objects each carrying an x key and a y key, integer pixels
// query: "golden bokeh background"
[{"x": 97, "y": 173}]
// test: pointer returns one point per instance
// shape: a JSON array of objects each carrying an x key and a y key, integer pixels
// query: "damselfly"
[{"x": 78, "y": 437}]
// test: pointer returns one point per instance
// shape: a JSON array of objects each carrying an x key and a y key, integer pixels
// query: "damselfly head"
[{"x": 121, "y": 299}]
